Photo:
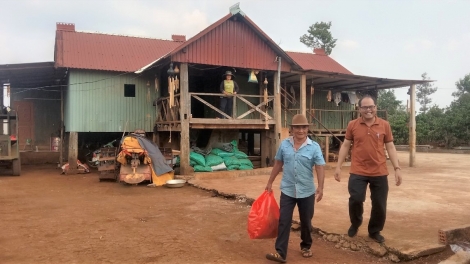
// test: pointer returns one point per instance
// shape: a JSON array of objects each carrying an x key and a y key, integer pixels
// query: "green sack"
[
  {"x": 213, "y": 160},
  {"x": 245, "y": 167},
  {"x": 239, "y": 154},
  {"x": 221, "y": 153},
  {"x": 233, "y": 167},
  {"x": 231, "y": 161},
  {"x": 246, "y": 162},
  {"x": 234, "y": 144},
  {"x": 192, "y": 163},
  {"x": 198, "y": 158},
  {"x": 199, "y": 168}
]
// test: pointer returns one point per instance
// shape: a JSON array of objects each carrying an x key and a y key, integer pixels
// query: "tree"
[
  {"x": 397, "y": 116},
  {"x": 424, "y": 92},
  {"x": 386, "y": 100},
  {"x": 463, "y": 86},
  {"x": 319, "y": 36}
]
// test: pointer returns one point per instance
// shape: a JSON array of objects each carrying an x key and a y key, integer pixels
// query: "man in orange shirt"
[{"x": 368, "y": 134}]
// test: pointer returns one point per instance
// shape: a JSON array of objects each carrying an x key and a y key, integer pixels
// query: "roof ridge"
[{"x": 121, "y": 35}]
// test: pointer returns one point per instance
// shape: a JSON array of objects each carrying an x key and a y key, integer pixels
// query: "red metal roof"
[
  {"x": 97, "y": 51},
  {"x": 235, "y": 41},
  {"x": 319, "y": 62}
]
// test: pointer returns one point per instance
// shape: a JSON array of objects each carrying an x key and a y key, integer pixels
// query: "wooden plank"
[
  {"x": 73, "y": 153},
  {"x": 229, "y": 122},
  {"x": 303, "y": 94},
  {"x": 254, "y": 108},
  {"x": 233, "y": 126},
  {"x": 211, "y": 106},
  {"x": 277, "y": 110}
]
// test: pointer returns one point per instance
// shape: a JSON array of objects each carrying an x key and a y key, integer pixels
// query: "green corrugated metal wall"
[
  {"x": 332, "y": 120},
  {"x": 95, "y": 102}
]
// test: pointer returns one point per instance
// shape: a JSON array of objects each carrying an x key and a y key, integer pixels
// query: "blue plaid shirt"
[{"x": 297, "y": 176}]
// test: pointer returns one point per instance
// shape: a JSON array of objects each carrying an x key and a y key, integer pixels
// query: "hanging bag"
[{"x": 263, "y": 219}]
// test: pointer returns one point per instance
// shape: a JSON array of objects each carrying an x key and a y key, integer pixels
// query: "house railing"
[
  {"x": 259, "y": 107},
  {"x": 167, "y": 115},
  {"x": 336, "y": 119}
]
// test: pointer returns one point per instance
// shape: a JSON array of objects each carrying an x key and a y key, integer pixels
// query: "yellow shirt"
[{"x": 229, "y": 86}]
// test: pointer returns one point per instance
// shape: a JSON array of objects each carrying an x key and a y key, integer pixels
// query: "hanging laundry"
[
  {"x": 328, "y": 96},
  {"x": 337, "y": 98},
  {"x": 353, "y": 98}
]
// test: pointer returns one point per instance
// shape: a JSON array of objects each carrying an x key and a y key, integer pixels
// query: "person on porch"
[{"x": 228, "y": 88}]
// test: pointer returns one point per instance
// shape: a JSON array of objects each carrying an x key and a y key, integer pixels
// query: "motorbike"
[{"x": 93, "y": 157}]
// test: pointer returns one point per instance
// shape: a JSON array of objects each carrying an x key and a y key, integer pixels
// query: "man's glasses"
[{"x": 371, "y": 107}]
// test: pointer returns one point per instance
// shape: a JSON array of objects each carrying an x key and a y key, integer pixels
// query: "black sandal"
[{"x": 275, "y": 257}]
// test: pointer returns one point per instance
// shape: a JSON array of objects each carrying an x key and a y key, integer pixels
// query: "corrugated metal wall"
[
  {"x": 332, "y": 120},
  {"x": 234, "y": 44},
  {"x": 46, "y": 112},
  {"x": 95, "y": 102}
]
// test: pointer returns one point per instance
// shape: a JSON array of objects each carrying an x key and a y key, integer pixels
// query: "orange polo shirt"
[{"x": 368, "y": 153}]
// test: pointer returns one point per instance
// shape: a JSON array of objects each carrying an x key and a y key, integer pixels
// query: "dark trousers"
[
  {"x": 226, "y": 105},
  {"x": 378, "y": 194},
  {"x": 306, "y": 208}
]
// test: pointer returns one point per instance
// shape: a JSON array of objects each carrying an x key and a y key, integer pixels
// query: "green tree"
[
  {"x": 424, "y": 92},
  {"x": 457, "y": 121},
  {"x": 397, "y": 116},
  {"x": 463, "y": 86},
  {"x": 386, "y": 100},
  {"x": 319, "y": 36}
]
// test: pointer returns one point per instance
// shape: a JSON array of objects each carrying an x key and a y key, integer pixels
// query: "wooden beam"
[
  {"x": 185, "y": 111},
  {"x": 73, "y": 153},
  {"x": 230, "y": 122},
  {"x": 303, "y": 94},
  {"x": 277, "y": 111},
  {"x": 327, "y": 149},
  {"x": 412, "y": 125},
  {"x": 211, "y": 106}
]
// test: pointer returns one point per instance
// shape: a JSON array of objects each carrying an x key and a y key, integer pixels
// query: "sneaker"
[
  {"x": 377, "y": 237},
  {"x": 352, "y": 231}
]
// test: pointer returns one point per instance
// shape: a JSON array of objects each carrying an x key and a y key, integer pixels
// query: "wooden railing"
[
  {"x": 167, "y": 115},
  {"x": 336, "y": 119},
  {"x": 258, "y": 107}
]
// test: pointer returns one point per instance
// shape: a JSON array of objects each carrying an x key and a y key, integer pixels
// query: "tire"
[
  {"x": 90, "y": 162},
  {"x": 16, "y": 166}
]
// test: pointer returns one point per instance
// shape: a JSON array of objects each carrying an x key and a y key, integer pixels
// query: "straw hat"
[
  {"x": 299, "y": 120},
  {"x": 229, "y": 73}
]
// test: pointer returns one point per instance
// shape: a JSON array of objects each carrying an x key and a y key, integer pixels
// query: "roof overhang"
[
  {"x": 32, "y": 75},
  {"x": 346, "y": 82}
]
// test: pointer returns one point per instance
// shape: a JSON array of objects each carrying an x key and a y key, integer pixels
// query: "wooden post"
[
  {"x": 412, "y": 125},
  {"x": 185, "y": 112},
  {"x": 303, "y": 94},
  {"x": 73, "y": 153},
  {"x": 277, "y": 111},
  {"x": 327, "y": 148},
  {"x": 61, "y": 154},
  {"x": 264, "y": 145}
]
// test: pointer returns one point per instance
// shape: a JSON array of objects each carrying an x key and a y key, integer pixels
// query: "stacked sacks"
[
  {"x": 198, "y": 162},
  {"x": 234, "y": 160},
  {"x": 228, "y": 157}
]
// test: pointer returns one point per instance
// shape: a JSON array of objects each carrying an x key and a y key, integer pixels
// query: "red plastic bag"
[{"x": 263, "y": 219}]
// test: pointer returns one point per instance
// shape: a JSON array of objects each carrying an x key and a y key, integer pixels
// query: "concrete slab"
[{"x": 433, "y": 196}]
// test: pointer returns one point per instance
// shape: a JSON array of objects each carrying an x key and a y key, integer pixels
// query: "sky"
[{"x": 399, "y": 39}]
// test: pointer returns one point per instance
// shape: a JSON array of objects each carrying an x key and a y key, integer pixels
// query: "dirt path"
[{"x": 49, "y": 218}]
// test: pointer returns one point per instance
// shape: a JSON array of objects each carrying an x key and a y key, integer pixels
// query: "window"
[{"x": 129, "y": 90}]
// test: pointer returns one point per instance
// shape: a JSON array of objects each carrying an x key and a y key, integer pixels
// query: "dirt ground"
[{"x": 46, "y": 217}]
